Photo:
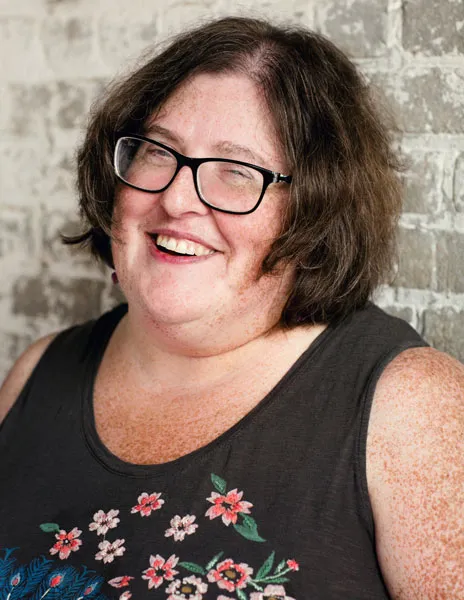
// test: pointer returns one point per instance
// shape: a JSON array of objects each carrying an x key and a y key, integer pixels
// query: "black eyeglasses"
[{"x": 229, "y": 186}]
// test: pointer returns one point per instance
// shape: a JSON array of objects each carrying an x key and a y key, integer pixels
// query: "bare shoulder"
[
  {"x": 20, "y": 372},
  {"x": 415, "y": 473}
]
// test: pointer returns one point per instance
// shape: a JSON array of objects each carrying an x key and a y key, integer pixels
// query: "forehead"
[{"x": 210, "y": 109}]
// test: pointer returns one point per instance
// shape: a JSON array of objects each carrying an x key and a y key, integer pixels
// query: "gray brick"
[
  {"x": 16, "y": 239},
  {"x": 423, "y": 182},
  {"x": 359, "y": 26},
  {"x": 120, "y": 39},
  {"x": 67, "y": 44},
  {"x": 444, "y": 330},
  {"x": 458, "y": 184},
  {"x": 450, "y": 262},
  {"x": 28, "y": 108},
  {"x": 18, "y": 40},
  {"x": 416, "y": 262},
  {"x": 21, "y": 174},
  {"x": 68, "y": 300},
  {"x": 433, "y": 27},
  {"x": 71, "y": 105}
]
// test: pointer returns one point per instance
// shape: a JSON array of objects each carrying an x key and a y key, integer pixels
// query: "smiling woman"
[{"x": 248, "y": 424}]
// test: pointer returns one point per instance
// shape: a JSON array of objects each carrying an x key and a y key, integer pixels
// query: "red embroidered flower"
[
  {"x": 147, "y": 503},
  {"x": 160, "y": 570},
  {"x": 293, "y": 565},
  {"x": 230, "y": 576},
  {"x": 67, "y": 543},
  {"x": 125, "y": 596},
  {"x": 102, "y": 521},
  {"x": 181, "y": 526},
  {"x": 109, "y": 550},
  {"x": 271, "y": 592},
  {"x": 119, "y": 582},
  {"x": 227, "y": 507}
]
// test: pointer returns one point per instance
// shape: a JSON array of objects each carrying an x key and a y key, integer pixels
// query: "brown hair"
[{"x": 345, "y": 196}]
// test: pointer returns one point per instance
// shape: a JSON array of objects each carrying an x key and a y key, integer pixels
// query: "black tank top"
[{"x": 276, "y": 507}]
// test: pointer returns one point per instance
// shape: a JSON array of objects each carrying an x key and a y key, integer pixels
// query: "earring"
[{"x": 114, "y": 277}]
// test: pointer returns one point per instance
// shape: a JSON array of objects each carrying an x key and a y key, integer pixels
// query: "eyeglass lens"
[{"x": 225, "y": 185}]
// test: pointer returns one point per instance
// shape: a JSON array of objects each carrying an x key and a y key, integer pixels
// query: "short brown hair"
[{"x": 345, "y": 196}]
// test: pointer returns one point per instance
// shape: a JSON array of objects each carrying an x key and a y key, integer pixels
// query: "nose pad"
[{"x": 181, "y": 195}]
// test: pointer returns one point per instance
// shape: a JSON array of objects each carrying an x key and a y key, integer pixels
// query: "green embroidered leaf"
[
  {"x": 50, "y": 527},
  {"x": 219, "y": 483},
  {"x": 255, "y": 585},
  {"x": 277, "y": 579},
  {"x": 193, "y": 567},
  {"x": 250, "y": 533},
  {"x": 280, "y": 566},
  {"x": 249, "y": 521},
  {"x": 241, "y": 595},
  {"x": 266, "y": 566},
  {"x": 213, "y": 561}
]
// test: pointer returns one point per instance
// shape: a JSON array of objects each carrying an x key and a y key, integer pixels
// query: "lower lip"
[{"x": 170, "y": 258}]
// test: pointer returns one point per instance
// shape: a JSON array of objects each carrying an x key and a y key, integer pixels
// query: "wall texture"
[{"x": 58, "y": 54}]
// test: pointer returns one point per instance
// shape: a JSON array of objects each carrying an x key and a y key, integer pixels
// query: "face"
[{"x": 209, "y": 116}]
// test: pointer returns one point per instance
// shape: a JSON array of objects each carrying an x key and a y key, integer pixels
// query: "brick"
[
  {"x": 67, "y": 300},
  {"x": 450, "y": 262},
  {"x": 444, "y": 330},
  {"x": 18, "y": 39},
  {"x": 176, "y": 15},
  {"x": 358, "y": 26},
  {"x": 16, "y": 232},
  {"x": 68, "y": 45},
  {"x": 423, "y": 182},
  {"x": 21, "y": 174},
  {"x": 120, "y": 40},
  {"x": 28, "y": 109},
  {"x": 416, "y": 260},
  {"x": 11, "y": 346},
  {"x": 458, "y": 184},
  {"x": 433, "y": 27},
  {"x": 71, "y": 105}
]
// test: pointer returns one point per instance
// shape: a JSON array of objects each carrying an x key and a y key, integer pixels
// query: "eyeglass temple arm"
[{"x": 279, "y": 177}]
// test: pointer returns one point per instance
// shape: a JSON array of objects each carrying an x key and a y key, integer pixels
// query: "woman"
[{"x": 248, "y": 426}]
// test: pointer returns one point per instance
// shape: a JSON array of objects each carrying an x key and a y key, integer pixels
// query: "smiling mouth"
[{"x": 177, "y": 247}]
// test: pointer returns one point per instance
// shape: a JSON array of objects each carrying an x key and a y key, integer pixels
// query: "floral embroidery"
[
  {"x": 190, "y": 588},
  {"x": 102, "y": 521},
  {"x": 147, "y": 503},
  {"x": 181, "y": 526},
  {"x": 160, "y": 570},
  {"x": 293, "y": 565},
  {"x": 108, "y": 550},
  {"x": 230, "y": 506},
  {"x": 271, "y": 592},
  {"x": 230, "y": 575},
  {"x": 125, "y": 596},
  {"x": 67, "y": 543},
  {"x": 119, "y": 582}
]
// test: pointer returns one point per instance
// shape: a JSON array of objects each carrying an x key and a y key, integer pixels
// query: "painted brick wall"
[{"x": 57, "y": 54}]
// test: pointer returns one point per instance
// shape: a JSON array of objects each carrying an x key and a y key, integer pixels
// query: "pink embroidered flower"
[
  {"x": 102, "y": 521},
  {"x": 125, "y": 596},
  {"x": 147, "y": 503},
  {"x": 221, "y": 597},
  {"x": 160, "y": 570},
  {"x": 227, "y": 507},
  {"x": 119, "y": 582},
  {"x": 108, "y": 550},
  {"x": 181, "y": 526},
  {"x": 293, "y": 565},
  {"x": 67, "y": 543},
  {"x": 271, "y": 592},
  {"x": 190, "y": 588},
  {"x": 229, "y": 575}
]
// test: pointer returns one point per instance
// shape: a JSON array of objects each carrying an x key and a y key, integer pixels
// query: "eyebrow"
[{"x": 225, "y": 148}]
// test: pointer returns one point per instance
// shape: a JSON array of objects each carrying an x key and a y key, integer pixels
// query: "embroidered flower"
[
  {"x": 119, "y": 582},
  {"x": 293, "y": 565},
  {"x": 181, "y": 526},
  {"x": 271, "y": 592},
  {"x": 227, "y": 507},
  {"x": 125, "y": 596},
  {"x": 102, "y": 521},
  {"x": 229, "y": 575},
  {"x": 160, "y": 570},
  {"x": 190, "y": 588},
  {"x": 108, "y": 550},
  {"x": 147, "y": 503},
  {"x": 67, "y": 542}
]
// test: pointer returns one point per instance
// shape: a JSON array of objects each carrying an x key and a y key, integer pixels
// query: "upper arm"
[
  {"x": 415, "y": 472},
  {"x": 20, "y": 373}
]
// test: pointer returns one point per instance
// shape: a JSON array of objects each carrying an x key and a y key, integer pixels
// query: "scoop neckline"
[{"x": 99, "y": 339}]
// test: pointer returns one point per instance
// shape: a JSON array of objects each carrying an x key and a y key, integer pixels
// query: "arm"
[
  {"x": 20, "y": 373},
  {"x": 415, "y": 473}
]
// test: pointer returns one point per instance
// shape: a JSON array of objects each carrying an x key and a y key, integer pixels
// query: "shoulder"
[
  {"x": 20, "y": 373},
  {"x": 415, "y": 473}
]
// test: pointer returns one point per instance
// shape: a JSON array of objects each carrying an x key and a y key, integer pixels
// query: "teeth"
[{"x": 182, "y": 246}]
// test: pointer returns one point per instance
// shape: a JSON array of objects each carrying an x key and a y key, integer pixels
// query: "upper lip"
[{"x": 182, "y": 235}]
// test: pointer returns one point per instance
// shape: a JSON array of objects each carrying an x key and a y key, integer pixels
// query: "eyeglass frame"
[{"x": 194, "y": 164}]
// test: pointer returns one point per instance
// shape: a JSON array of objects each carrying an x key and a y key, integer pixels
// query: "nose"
[{"x": 181, "y": 196}]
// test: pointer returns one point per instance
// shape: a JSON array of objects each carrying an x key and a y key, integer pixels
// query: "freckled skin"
[{"x": 415, "y": 472}]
